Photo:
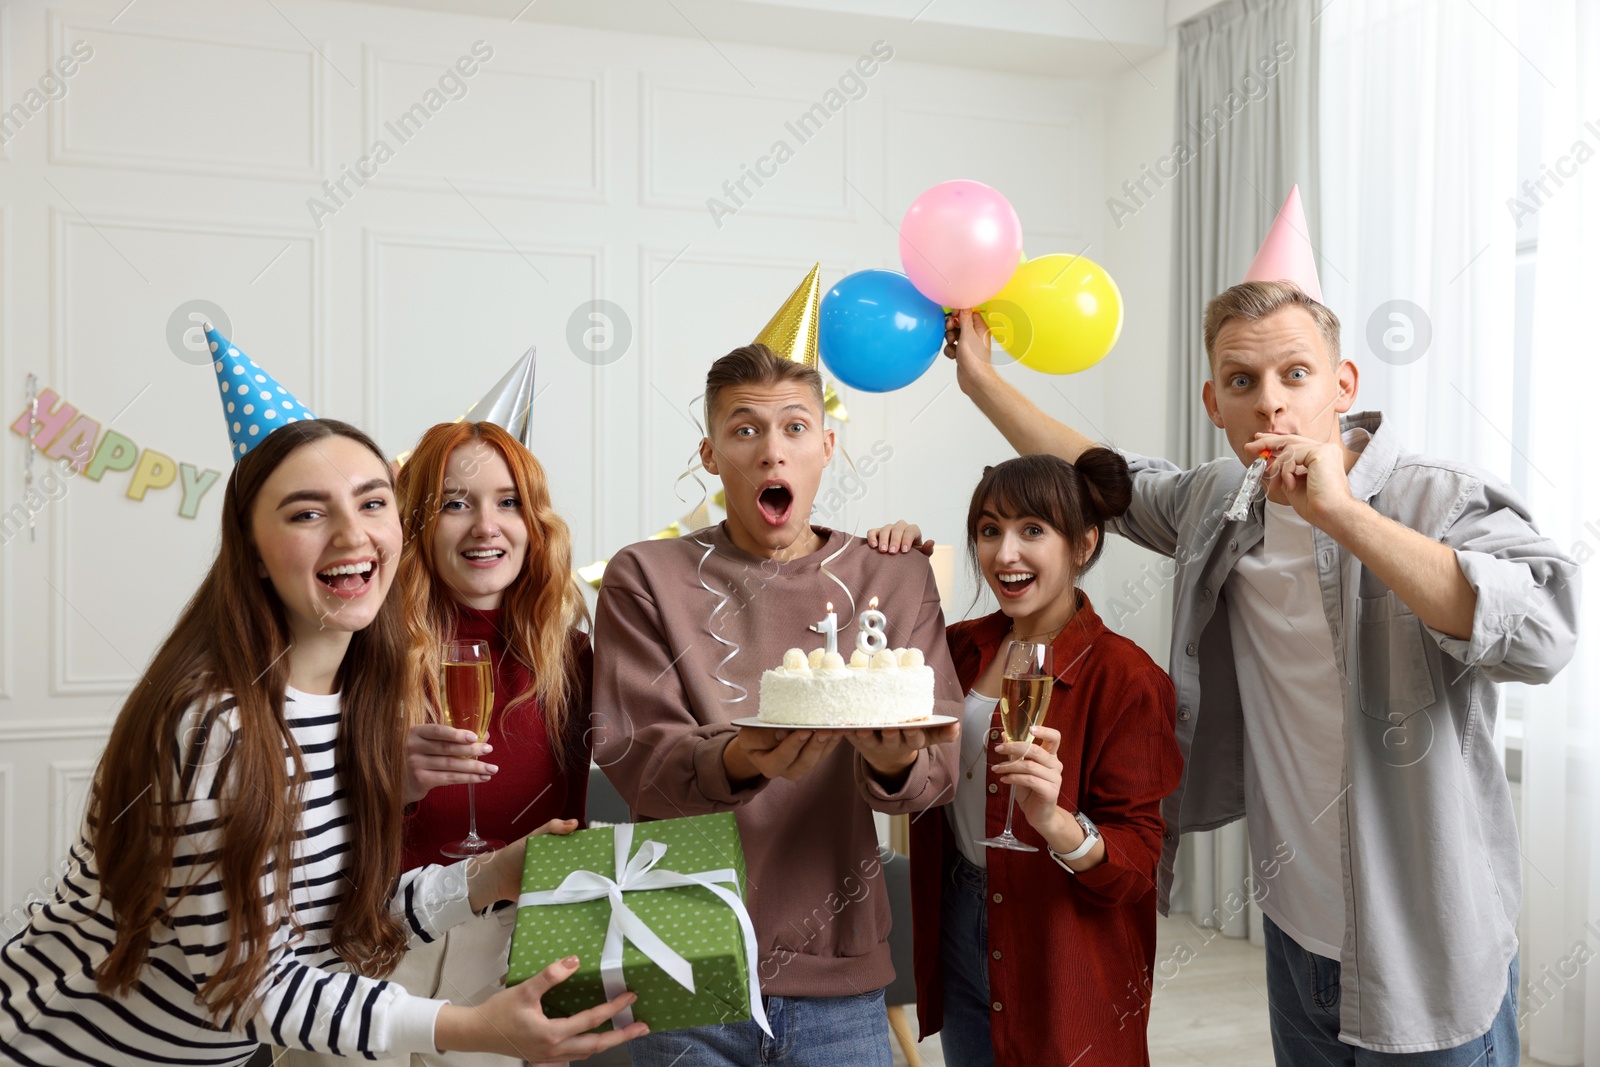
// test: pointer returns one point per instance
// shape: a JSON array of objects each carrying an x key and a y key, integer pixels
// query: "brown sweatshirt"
[{"x": 663, "y": 704}]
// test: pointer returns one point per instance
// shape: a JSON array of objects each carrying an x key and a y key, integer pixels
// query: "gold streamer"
[
  {"x": 698, "y": 519},
  {"x": 833, "y": 405}
]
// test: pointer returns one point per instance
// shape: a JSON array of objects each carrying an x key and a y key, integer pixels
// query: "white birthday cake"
[{"x": 886, "y": 688}]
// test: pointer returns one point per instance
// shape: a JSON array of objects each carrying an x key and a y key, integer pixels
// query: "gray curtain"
[{"x": 1247, "y": 113}]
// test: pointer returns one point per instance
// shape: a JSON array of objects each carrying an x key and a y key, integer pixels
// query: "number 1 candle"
[{"x": 829, "y": 627}]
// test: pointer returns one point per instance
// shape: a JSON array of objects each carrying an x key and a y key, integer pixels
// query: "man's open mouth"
[
  {"x": 775, "y": 501},
  {"x": 348, "y": 578}
]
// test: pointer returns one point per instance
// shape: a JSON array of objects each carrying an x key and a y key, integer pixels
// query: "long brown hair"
[
  {"x": 229, "y": 644},
  {"x": 539, "y": 608}
]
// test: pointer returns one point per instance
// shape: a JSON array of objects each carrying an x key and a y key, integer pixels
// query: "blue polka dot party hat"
[{"x": 252, "y": 400}]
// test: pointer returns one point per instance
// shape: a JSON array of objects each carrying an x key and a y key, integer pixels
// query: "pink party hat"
[{"x": 1286, "y": 254}]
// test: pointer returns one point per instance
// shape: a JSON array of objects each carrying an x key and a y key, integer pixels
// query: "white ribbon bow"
[{"x": 639, "y": 874}]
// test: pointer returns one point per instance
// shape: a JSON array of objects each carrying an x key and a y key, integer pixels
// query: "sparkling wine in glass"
[
  {"x": 466, "y": 685},
  {"x": 1024, "y": 697}
]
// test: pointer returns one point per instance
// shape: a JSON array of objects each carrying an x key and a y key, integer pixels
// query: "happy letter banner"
[{"x": 62, "y": 433}]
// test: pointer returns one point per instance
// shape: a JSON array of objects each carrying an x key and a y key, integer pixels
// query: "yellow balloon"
[{"x": 1059, "y": 314}]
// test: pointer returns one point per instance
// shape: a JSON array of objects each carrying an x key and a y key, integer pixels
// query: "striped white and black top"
[{"x": 51, "y": 1013}]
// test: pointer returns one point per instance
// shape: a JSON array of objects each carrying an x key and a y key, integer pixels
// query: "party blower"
[{"x": 1239, "y": 510}]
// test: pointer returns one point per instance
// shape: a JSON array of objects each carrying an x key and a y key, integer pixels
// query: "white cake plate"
[{"x": 932, "y": 720}]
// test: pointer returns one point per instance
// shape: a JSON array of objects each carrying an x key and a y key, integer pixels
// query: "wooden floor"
[
  {"x": 1212, "y": 1011},
  {"x": 1212, "y": 1008},
  {"x": 1207, "y": 1013}
]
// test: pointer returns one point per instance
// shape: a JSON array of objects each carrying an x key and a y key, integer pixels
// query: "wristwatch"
[{"x": 1091, "y": 835}]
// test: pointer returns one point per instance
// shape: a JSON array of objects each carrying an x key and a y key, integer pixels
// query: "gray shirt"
[{"x": 1431, "y": 864}]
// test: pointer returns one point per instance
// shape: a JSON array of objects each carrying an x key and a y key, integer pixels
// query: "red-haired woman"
[
  {"x": 486, "y": 558},
  {"x": 218, "y": 873},
  {"x": 1045, "y": 956}
]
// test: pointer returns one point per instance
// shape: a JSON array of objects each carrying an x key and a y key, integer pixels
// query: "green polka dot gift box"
[{"x": 655, "y": 908}]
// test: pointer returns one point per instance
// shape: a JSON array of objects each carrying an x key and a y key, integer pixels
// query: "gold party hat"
[{"x": 792, "y": 333}]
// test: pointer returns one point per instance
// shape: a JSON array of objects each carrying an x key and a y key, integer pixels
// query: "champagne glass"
[
  {"x": 466, "y": 685},
  {"x": 1024, "y": 697}
]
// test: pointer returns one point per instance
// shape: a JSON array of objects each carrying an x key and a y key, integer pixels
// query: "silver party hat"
[{"x": 509, "y": 404}]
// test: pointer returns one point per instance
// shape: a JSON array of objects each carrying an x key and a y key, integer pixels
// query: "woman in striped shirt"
[{"x": 216, "y": 876}]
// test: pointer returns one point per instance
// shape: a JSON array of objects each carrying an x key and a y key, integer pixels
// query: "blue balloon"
[{"x": 877, "y": 333}]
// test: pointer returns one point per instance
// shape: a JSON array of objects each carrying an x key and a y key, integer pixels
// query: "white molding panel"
[
  {"x": 730, "y": 144},
  {"x": 195, "y": 383},
  {"x": 468, "y": 374},
  {"x": 242, "y": 120},
  {"x": 548, "y": 142},
  {"x": 70, "y": 781}
]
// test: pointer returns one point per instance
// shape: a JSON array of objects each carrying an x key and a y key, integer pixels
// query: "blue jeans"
[
  {"x": 1303, "y": 998},
  {"x": 806, "y": 1032},
  {"x": 964, "y": 946}
]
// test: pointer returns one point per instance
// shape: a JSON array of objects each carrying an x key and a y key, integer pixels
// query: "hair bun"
[{"x": 1107, "y": 481}]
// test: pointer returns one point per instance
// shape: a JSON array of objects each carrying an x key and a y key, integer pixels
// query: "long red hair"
[
  {"x": 230, "y": 641},
  {"x": 539, "y": 608}
]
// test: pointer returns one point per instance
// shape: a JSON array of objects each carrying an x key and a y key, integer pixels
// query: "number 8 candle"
[{"x": 872, "y": 637}]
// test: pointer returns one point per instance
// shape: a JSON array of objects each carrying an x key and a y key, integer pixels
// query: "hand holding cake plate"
[{"x": 776, "y": 753}]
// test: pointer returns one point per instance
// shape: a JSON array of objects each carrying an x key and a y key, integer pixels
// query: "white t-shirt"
[
  {"x": 967, "y": 811},
  {"x": 1294, "y": 737}
]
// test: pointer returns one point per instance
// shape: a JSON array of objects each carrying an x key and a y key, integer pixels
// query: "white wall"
[
  {"x": 178, "y": 166},
  {"x": 1140, "y": 128}
]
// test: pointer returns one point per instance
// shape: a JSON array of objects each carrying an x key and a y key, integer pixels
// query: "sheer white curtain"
[
  {"x": 1561, "y": 796},
  {"x": 1418, "y": 154},
  {"x": 1420, "y": 203}
]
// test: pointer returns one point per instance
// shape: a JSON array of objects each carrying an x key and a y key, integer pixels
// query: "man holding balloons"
[{"x": 1336, "y": 651}]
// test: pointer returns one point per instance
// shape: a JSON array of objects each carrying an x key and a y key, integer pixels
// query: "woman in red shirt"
[
  {"x": 487, "y": 558},
  {"x": 1045, "y": 957}
]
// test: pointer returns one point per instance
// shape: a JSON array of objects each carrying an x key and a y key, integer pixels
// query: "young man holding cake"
[{"x": 684, "y": 631}]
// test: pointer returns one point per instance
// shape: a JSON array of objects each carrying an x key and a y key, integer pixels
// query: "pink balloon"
[{"x": 960, "y": 243}]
